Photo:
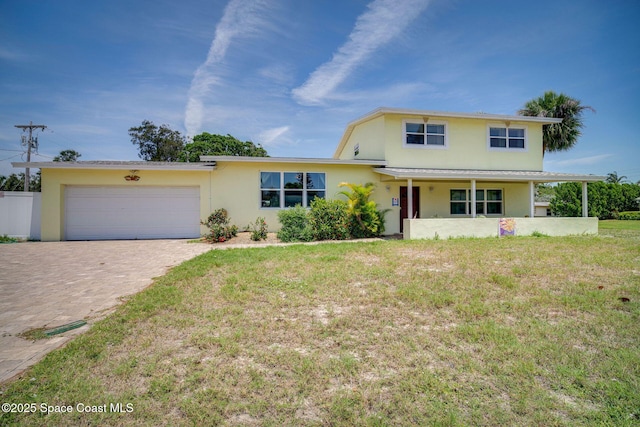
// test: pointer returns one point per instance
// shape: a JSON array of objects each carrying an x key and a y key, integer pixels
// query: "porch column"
[
  {"x": 532, "y": 199},
  {"x": 473, "y": 198},
  {"x": 409, "y": 198},
  {"x": 585, "y": 201}
]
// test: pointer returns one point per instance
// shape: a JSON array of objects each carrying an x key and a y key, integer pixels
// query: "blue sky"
[{"x": 290, "y": 74}]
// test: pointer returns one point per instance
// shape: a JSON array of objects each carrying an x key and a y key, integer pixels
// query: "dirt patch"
[{"x": 244, "y": 239}]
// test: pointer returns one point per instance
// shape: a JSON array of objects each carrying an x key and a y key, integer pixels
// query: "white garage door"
[{"x": 96, "y": 213}]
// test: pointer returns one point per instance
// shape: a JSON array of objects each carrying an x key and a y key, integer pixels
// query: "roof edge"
[
  {"x": 118, "y": 165},
  {"x": 487, "y": 175},
  {"x": 306, "y": 160}
]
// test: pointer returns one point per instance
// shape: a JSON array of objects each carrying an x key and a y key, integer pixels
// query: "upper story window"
[
  {"x": 421, "y": 134},
  {"x": 288, "y": 189},
  {"x": 507, "y": 138}
]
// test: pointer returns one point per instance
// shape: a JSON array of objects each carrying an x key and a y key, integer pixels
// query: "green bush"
[
  {"x": 329, "y": 219},
  {"x": 219, "y": 228},
  {"x": 295, "y": 225},
  {"x": 258, "y": 230},
  {"x": 606, "y": 199},
  {"x": 365, "y": 218},
  {"x": 633, "y": 216}
]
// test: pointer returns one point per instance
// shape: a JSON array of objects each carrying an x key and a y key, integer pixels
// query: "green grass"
[
  {"x": 6, "y": 239},
  {"x": 521, "y": 331},
  {"x": 619, "y": 225}
]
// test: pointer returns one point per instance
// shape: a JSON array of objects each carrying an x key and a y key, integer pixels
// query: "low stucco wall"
[
  {"x": 444, "y": 228},
  {"x": 20, "y": 214}
]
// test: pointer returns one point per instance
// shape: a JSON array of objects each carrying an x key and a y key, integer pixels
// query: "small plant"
[
  {"x": 220, "y": 229},
  {"x": 258, "y": 230},
  {"x": 6, "y": 239},
  {"x": 538, "y": 234}
]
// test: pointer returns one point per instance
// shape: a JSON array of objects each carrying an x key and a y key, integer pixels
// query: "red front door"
[{"x": 403, "y": 204}]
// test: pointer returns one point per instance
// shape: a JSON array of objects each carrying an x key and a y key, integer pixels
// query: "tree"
[
  {"x": 557, "y": 136},
  {"x": 207, "y": 144},
  {"x": 67, "y": 156},
  {"x": 614, "y": 178},
  {"x": 157, "y": 144},
  {"x": 606, "y": 199},
  {"x": 15, "y": 182}
]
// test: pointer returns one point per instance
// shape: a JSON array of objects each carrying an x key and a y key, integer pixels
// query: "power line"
[{"x": 16, "y": 155}]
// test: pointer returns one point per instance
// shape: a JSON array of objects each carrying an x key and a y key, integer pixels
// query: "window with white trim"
[
  {"x": 507, "y": 138},
  {"x": 488, "y": 202},
  {"x": 288, "y": 189},
  {"x": 425, "y": 134}
]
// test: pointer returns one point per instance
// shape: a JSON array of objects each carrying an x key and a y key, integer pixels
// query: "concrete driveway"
[{"x": 51, "y": 284}]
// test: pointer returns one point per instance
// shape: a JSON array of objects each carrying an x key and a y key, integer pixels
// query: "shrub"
[
  {"x": 329, "y": 219},
  {"x": 295, "y": 225},
  {"x": 633, "y": 216},
  {"x": 258, "y": 230},
  {"x": 219, "y": 227},
  {"x": 606, "y": 199},
  {"x": 366, "y": 220}
]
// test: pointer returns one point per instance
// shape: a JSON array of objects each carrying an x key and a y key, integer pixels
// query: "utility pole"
[{"x": 30, "y": 142}]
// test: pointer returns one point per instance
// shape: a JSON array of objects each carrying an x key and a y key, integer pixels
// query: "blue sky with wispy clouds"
[{"x": 291, "y": 74}]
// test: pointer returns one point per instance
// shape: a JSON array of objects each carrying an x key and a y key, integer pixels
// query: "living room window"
[
  {"x": 488, "y": 202},
  {"x": 421, "y": 134},
  {"x": 288, "y": 189},
  {"x": 507, "y": 138}
]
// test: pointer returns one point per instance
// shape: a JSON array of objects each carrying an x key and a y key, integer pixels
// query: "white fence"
[{"x": 20, "y": 214}]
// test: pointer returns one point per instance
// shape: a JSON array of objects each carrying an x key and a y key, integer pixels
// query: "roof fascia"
[
  {"x": 466, "y": 175},
  {"x": 169, "y": 166},
  {"x": 323, "y": 161}
]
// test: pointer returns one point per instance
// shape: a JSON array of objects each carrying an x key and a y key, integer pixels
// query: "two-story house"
[{"x": 443, "y": 168}]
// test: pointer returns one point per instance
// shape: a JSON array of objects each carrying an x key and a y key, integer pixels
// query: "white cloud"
[
  {"x": 8, "y": 54},
  {"x": 383, "y": 21},
  {"x": 580, "y": 161},
  {"x": 277, "y": 73},
  {"x": 273, "y": 137},
  {"x": 388, "y": 96},
  {"x": 241, "y": 19}
]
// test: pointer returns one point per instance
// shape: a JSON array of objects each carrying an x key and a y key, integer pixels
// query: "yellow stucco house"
[{"x": 457, "y": 173}]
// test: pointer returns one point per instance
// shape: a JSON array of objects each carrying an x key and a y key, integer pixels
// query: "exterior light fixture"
[{"x": 132, "y": 176}]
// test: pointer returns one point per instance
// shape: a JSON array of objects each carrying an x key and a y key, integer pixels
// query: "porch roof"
[{"x": 484, "y": 175}]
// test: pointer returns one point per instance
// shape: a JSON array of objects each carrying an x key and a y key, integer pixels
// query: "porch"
[
  {"x": 456, "y": 203},
  {"x": 444, "y": 228}
]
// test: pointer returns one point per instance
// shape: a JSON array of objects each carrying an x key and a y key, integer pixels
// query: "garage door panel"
[{"x": 131, "y": 212}]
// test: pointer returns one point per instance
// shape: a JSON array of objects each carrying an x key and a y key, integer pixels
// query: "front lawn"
[
  {"x": 612, "y": 224},
  {"x": 514, "y": 331}
]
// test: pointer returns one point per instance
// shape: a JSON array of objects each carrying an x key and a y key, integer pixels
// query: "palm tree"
[
  {"x": 557, "y": 136},
  {"x": 614, "y": 178},
  {"x": 367, "y": 220}
]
